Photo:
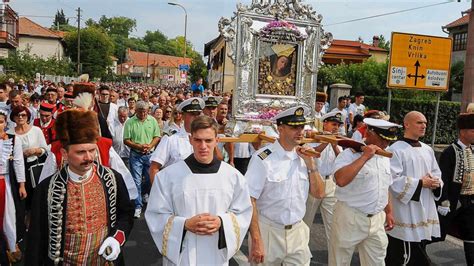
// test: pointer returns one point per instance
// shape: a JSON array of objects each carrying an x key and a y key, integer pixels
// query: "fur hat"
[
  {"x": 321, "y": 97},
  {"x": 466, "y": 121},
  {"x": 77, "y": 127},
  {"x": 80, "y": 87}
]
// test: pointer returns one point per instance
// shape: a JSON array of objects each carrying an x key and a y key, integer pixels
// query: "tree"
[
  {"x": 384, "y": 44},
  {"x": 369, "y": 77},
  {"x": 122, "y": 26},
  {"x": 198, "y": 69},
  {"x": 61, "y": 22},
  {"x": 96, "y": 50},
  {"x": 25, "y": 65}
]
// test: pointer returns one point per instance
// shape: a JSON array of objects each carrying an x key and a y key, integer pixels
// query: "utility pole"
[{"x": 78, "y": 41}]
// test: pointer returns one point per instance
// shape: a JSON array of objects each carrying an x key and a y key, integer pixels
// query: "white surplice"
[
  {"x": 414, "y": 220},
  {"x": 178, "y": 194}
]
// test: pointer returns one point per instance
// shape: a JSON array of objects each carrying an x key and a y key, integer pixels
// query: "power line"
[{"x": 389, "y": 13}]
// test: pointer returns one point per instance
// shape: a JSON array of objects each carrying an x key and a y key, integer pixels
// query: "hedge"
[{"x": 447, "y": 116}]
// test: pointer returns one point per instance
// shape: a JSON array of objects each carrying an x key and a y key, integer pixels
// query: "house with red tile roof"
[
  {"x": 158, "y": 68},
  {"x": 349, "y": 52},
  {"x": 38, "y": 40},
  {"x": 457, "y": 30}
]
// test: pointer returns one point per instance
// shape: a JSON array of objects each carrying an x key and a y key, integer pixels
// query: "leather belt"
[{"x": 277, "y": 225}]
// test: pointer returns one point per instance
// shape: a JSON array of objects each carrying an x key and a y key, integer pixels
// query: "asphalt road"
[{"x": 141, "y": 250}]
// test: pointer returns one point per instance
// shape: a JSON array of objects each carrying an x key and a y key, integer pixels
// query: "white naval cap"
[
  {"x": 211, "y": 101},
  {"x": 335, "y": 116},
  {"x": 385, "y": 129},
  {"x": 194, "y": 104},
  {"x": 293, "y": 116}
]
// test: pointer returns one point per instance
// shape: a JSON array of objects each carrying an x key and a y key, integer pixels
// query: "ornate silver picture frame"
[{"x": 276, "y": 47}]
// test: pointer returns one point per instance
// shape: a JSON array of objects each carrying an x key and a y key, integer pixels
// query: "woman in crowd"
[
  {"x": 175, "y": 123},
  {"x": 131, "y": 106},
  {"x": 158, "y": 115},
  {"x": 12, "y": 189},
  {"x": 33, "y": 145}
]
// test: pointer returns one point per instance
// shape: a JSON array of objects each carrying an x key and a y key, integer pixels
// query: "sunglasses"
[{"x": 21, "y": 115}]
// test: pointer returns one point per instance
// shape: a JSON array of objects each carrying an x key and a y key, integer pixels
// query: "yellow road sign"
[{"x": 419, "y": 62}]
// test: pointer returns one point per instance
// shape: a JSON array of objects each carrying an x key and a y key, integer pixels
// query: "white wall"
[{"x": 42, "y": 47}]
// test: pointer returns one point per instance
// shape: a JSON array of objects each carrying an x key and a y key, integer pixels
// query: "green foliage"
[
  {"x": 96, "y": 50},
  {"x": 369, "y": 77},
  {"x": 197, "y": 70},
  {"x": 122, "y": 26},
  {"x": 457, "y": 77},
  {"x": 61, "y": 22},
  {"x": 447, "y": 116},
  {"x": 22, "y": 64},
  {"x": 383, "y": 43}
]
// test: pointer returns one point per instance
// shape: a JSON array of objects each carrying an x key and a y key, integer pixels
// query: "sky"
[{"x": 203, "y": 16}]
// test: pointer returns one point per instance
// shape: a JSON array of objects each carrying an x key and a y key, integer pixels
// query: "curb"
[{"x": 454, "y": 240}]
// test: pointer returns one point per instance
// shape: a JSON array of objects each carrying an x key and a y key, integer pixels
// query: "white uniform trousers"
[
  {"x": 284, "y": 246},
  {"x": 352, "y": 228},
  {"x": 327, "y": 207}
]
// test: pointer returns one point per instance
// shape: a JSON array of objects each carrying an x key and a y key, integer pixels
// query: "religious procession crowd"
[{"x": 80, "y": 161}]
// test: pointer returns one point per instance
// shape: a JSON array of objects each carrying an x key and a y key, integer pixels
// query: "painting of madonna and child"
[{"x": 277, "y": 69}]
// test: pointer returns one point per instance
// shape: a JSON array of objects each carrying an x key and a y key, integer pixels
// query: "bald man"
[{"x": 416, "y": 179}]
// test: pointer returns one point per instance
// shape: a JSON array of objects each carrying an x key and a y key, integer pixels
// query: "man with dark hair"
[
  {"x": 46, "y": 122},
  {"x": 341, "y": 106},
  {"x": 200, "y": 204},
  {"x": 357, "y": 107},
  {"x": 106, "y": 109},
  {"x": 82, "y": 214}
]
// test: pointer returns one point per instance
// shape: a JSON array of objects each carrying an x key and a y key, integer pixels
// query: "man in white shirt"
[
  {"x": 176, "y": 147},
  {"x": 363, "y": 202},
  {"x": 357, "y": 107},
  {"x": 341, "y": 104},
  {"x": 117, "y": 134},
  {"x": 280, "y": 176},
  {"x": 416, "y": 179},
  {"x": 199, "y": 209},
  {"x": 326, "y": 166}
]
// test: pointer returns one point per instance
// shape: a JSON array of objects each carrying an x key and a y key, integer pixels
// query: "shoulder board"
[{"x": 264, "y": 154}]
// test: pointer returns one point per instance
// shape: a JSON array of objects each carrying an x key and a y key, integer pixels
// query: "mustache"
[{"x": 87, "y": 162}]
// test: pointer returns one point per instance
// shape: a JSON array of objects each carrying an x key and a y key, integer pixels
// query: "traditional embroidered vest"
[
  {"x": 48, "y": 132},
  {"x": 103, "y": 144}
]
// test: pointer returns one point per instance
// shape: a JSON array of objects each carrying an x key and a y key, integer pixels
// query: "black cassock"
[{"x": 49, "y": 209}]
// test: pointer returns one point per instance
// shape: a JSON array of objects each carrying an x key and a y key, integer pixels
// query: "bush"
[{"x": 448, "y": 112}]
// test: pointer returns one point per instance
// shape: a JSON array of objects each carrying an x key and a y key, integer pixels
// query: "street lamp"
[{"x": 185, "y": 27}]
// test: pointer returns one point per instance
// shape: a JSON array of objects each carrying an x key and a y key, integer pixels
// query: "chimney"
[{"x": 375, "y": 41}]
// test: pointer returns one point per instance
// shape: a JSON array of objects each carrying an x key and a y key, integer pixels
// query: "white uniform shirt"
[
  {"x": 172, "y": 149},
  {"x": 278, "y": 180},
  {"x": 368, "y": 191},
  {"x": 326, "y": 163}
]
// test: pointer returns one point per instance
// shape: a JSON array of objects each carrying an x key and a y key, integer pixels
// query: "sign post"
[{"x": 419, "y": 62}]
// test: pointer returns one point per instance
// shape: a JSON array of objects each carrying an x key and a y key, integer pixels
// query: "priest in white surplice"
[
  {"x": 416, "y": 176},
  {"x": 199, "y": 209}
]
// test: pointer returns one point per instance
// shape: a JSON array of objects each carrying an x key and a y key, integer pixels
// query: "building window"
[{"x": 460, "y": 41}]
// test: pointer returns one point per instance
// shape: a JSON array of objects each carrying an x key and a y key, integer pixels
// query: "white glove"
[
  {"x": 443, "y": 210},
  {"x": 113, "y": 245}
]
